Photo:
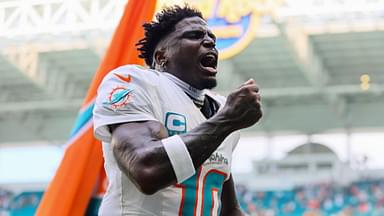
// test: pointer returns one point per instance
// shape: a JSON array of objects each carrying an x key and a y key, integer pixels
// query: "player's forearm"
[
  {"x": 201, "y": 142},
  {"x": 204, "y": 139},
  {"x": 142, "y": 156}
]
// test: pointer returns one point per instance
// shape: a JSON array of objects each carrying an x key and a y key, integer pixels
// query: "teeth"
[{"x": 211, "y": 56}]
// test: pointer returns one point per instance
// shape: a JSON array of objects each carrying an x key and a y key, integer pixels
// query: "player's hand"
[{"x": 243, "y": 106}]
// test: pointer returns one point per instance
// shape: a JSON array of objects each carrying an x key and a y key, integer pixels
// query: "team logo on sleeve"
[
  {"x": 175, "y": 123},
  {"x": 119, "y": 97}
]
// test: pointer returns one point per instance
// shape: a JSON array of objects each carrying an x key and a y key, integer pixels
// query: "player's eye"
[{"x": 194, "y": 34}]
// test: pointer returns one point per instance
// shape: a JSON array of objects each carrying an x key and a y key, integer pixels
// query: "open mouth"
[{"x": 209, "y": 62}]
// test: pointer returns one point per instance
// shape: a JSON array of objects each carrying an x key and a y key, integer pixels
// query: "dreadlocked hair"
[{"x": 164, "y": 24}]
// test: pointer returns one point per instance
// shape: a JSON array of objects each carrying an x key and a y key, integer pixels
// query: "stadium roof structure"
[
  {"x": 311, "y": 149},
  {"x": 318, "y": 69}
]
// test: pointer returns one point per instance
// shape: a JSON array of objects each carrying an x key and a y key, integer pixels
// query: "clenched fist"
[{"x": 243, "y": 106}]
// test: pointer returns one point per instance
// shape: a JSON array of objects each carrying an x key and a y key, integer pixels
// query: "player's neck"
[{"x": 196, "y": 94}]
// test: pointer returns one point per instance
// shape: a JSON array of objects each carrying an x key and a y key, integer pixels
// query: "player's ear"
[{"x": 159, "y": 58}]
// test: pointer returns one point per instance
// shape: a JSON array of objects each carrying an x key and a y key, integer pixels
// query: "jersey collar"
[{"x": 196, "y": 95}]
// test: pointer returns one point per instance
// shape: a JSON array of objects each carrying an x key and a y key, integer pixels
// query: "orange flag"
[{"x": 75, "y": 181}]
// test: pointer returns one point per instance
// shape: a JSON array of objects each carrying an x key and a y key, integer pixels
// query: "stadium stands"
[
  {"x": 361, "y": 198},
  {"x": 22, "y": 204},
  {"x": 5, "y": 200}
]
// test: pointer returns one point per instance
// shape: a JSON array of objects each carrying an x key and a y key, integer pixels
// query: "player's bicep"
[
  {"x": 128, "y": 138},
  {"x": 140, "y": 155},
  {"x": 132, "y": 141}
]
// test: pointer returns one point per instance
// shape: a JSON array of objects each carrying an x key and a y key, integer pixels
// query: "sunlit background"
[{"x": 319, "y": 63}]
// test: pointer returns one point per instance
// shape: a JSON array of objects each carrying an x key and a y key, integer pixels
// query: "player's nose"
[{"x": 208, "y": 42}]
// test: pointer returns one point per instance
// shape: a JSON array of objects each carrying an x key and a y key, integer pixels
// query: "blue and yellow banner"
[{"x": 233, "y": 22}]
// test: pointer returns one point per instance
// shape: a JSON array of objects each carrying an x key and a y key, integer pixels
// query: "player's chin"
[{"x": 209, "y": 82}]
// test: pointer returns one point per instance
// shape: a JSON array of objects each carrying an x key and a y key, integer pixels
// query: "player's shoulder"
[{"x": 133, "y": 73}]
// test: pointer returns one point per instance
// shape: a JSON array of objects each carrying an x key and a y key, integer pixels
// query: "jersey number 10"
[{"x": 201, "y": 193}]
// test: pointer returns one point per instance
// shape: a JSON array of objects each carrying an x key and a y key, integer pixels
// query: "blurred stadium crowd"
[
  {"x": 361, "y": 198},
  {"x": 22, "y": 204}
]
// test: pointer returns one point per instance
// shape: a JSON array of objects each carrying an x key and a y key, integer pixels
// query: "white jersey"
[{"x": 132, "y": 93}]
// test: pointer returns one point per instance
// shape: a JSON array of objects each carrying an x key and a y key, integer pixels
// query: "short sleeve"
[
  {"x": 125, "y": 95},
  {"x": 235, "y": 140}
]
